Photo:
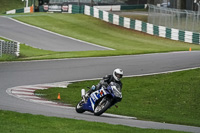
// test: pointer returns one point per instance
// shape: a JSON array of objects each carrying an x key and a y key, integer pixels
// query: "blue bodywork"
[{"x": 95, "y": 96}]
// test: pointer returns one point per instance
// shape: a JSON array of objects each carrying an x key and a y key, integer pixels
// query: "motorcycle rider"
[{"x": 115, "y": 77}]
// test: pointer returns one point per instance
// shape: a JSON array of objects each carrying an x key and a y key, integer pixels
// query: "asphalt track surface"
[
  {"x": 39, "y": 72},
  {"x": 40, "y": 38}
]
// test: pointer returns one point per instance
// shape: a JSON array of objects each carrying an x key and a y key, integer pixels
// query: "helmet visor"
[{"x": 119, "y": 76}]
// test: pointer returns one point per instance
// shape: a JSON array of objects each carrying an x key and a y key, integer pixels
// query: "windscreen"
[{"x": 117, "y": 86}]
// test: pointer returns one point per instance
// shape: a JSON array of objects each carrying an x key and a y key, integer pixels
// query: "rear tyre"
[
  {"x": 79, "y": 107},
  {"x": 102, "y": 106}
]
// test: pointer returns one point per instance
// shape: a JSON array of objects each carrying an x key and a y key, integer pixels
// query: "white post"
[
  {"x": 26, "y": 3},
  {"x": 18, "y": 49}
]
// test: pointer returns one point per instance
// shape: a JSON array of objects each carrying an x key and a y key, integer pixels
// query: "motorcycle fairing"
[{"x": 94, "y": 97}]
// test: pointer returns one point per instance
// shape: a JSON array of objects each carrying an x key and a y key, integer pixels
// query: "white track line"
[{"x": 29, "y": 97}]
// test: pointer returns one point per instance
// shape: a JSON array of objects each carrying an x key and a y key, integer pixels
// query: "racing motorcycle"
[{"x": 99, "y": 101}]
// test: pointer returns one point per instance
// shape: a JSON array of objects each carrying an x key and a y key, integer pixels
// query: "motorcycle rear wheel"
[
  {"x": 79, "y": 107},
  {"x": 102, "y": 106}
]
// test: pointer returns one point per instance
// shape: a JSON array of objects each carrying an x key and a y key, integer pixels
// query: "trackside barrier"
[
  {"x": 75, "y": 9},
  {"x": 161, "y": 31},
  {"x": 23, "y": 10},
  {"x": 80, "y": 9},
  {"x": 109, "y": 7},
  {"x": 12, "y": 48}
]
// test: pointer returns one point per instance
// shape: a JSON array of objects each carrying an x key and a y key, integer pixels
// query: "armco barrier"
[
  {"x": 75, "y": 9},
  {"x": 23, "y": 10},
  {"x": 80, "y": 9},
  {"x": 174, "y": 34},
  {"x": 7, "y": 47}
]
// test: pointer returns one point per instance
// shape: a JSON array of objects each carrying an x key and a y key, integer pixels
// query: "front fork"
[{"x": 83, "y": 95}]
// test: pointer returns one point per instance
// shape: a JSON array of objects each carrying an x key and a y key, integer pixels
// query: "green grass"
[
  {"x": 4, "y": 39},
  {"x": 18, "y": 123},
  {"x": 125, "y": 41},
  {"x": 171, "y": 98},
  {"x": 95, "y": 31},
  {"x": 27, "y": 51},
  {"x": 7, "y": 57},
  {"x": 6, "y": 5}
]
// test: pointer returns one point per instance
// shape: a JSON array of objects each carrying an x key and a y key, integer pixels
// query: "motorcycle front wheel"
[
  {"x": 102, "y": 106},
  {"x": 79, "y": 107}
]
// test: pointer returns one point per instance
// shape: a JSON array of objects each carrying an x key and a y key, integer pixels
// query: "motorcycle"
[{"x": 101, "y": 100}]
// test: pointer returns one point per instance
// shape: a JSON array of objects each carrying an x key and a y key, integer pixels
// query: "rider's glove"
[{"x": 93, "y": 87}]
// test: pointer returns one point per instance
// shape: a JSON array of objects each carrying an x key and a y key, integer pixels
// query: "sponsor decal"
[
  {"x": 101, "y": 93},
  {"x": 46, "y": 7},
  {"x": 64, "y": 8},
  {"x": 94, "y": 98},
  {"x": 55, "y": 8}
]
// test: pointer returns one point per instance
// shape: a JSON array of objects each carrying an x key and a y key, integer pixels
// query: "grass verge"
[
  {"x": 11, "y": 121},
  {"x": 125, "y": 41},
  {"x": 171, "y": 98},
  {"x": 6, "y": 5},
  {"x": 7, "y": 57},
  {"x": 99, "y": 32}
]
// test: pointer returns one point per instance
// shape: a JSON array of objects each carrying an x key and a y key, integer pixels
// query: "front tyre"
[
  {"x": 102, "y": 106},
  {"x": 79, "y": 107}
]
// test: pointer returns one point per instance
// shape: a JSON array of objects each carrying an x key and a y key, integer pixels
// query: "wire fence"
[
  {"x": 185, "y": 20},
  {"x": 7, "y": 47}
]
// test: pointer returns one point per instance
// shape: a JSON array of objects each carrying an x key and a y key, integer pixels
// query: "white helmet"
[{"x": 117, "y": 74}]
